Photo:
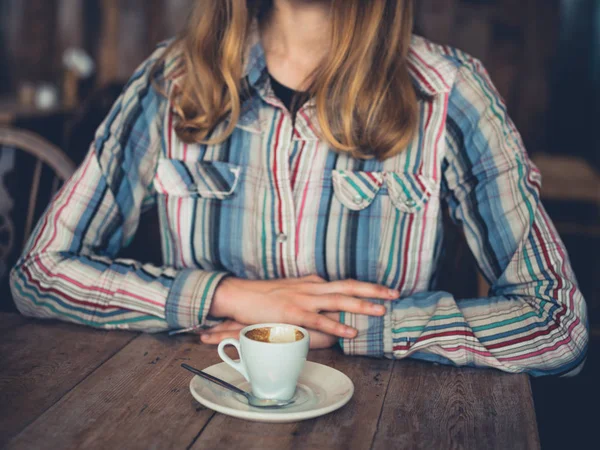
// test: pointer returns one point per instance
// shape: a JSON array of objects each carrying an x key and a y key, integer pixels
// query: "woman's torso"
[{"x": 274, "y": 201}]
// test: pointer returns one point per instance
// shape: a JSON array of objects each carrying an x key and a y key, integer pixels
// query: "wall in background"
[
  {"x": 118, "y": 34},
  {"x": 576, "y": 106}
]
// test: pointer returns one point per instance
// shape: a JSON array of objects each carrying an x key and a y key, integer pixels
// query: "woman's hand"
[
  {"x": 231, "y": 329},
  {"x": 298, "y": 301}
]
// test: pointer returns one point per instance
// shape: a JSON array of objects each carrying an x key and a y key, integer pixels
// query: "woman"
[{"x": 300, "y": 154}]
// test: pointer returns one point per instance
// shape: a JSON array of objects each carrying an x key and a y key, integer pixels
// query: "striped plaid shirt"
[{"x": 275, "y": 201}]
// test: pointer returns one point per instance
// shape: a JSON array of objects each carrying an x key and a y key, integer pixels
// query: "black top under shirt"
[{"x": 293, "y": 100}]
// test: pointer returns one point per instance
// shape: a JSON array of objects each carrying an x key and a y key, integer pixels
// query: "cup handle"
[{"x": 239, "y": 366}]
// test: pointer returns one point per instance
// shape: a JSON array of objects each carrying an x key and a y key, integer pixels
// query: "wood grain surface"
[
  {"x": 40, "y": 362},
  {"x": 446, "y": 407},
  {"x": 138, "y": 400},
  {"x": 67, "y": 387},
  {"x": 342, "y": 429}
]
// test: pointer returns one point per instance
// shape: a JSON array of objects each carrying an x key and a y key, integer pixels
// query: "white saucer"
[{"x": 320, "y": 391}]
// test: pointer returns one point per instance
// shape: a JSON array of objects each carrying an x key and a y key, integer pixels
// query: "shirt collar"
[
  {"x": 433, "y": 72},
  {"x": 255, "y": 60},
  {"x": 255, "y": 72}
]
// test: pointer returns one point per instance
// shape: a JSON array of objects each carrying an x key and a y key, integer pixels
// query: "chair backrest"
[{"x": 31, "y": 172}]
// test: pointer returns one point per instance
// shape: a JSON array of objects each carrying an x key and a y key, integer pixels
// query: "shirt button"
[
  {"x": 358, "y": 199},
  {"x": 282, "y": 237},
  {"x": 410, "y": 203}
]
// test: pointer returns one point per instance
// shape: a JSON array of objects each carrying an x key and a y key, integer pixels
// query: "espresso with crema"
[
  {"x": 272, "y": 357},
  {"x": 275, "y": 335}
]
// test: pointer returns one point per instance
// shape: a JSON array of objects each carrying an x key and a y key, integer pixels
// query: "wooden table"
[{"x": 64, "y": 386}]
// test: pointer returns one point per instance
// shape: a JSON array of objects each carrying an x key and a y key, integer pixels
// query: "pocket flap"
[
  {"x": 207, "y": 179},
  {"x": 409, "y": 192},
  {"x": 356, "y": 190}
]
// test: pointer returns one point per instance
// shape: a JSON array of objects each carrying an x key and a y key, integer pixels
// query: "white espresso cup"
[{"x": 271, "y": 367}]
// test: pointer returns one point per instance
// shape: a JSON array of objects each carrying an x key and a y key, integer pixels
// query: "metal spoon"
[{"x": 252, "y": 400}]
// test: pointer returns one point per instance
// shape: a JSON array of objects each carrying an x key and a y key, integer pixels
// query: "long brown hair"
[{"x": 364, "y": 97}]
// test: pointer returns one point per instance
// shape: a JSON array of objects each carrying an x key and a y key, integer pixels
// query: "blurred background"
[{"x": 64, "y": 62}]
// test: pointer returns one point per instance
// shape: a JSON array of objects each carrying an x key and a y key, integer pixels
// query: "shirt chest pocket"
[
  {"x": 200, "y": 205},
  {"x": 201, "y": 179},
  {"x": 408, "y": 192}
]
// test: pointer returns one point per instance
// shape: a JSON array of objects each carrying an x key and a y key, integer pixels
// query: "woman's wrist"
[{"x": 222, "y": 303}]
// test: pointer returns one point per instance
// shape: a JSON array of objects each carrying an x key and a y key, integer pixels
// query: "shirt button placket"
[{"x": 285, "y": 237}]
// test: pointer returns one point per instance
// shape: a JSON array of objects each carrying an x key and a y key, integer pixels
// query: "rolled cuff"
[
  {"x": 370, "y": 338},
  {"x": 190, "y": 298}
]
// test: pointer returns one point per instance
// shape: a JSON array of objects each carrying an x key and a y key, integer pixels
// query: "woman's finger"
[
  {"x": 340, "y": 302},
  {"x": 320, "y": 340},
  {"x": 216, "y": 337},
  {"x": 360, "y": 289},
  {"x": 319, "y": 322}
]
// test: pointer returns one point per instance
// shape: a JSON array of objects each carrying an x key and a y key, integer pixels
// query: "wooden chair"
[{"x": 31, "y": 171}]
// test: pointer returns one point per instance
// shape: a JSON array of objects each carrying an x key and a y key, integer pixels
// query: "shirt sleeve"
[
  {"x": 535, "y": 317},
  {"x": 69, "y": 269}
]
